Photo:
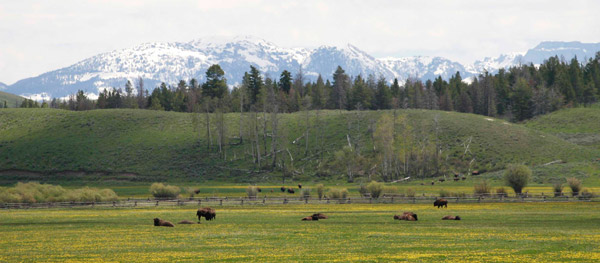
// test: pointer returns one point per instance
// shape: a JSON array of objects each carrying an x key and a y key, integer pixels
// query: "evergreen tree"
[
  {"x": 255, "y": 84},
  {"x": 341, "y": 85},
  {"x": 521, "y": 100},
  {"x": 384, "y": 95},
  {"x": 216, "y": 83},
  {"x": 285, "y": 81}
]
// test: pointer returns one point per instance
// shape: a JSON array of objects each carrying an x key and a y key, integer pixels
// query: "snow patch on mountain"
[{"x": 171, "y": 62}]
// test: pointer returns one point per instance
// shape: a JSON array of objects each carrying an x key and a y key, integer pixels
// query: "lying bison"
[
  {"x": 160, "y": 222},
  {"x": 291, "y": 191},
  {"x": 441, "y": 202},
  {"x": 320, "y": 216},
  {"x": 408, "y": 216},
  {"x": 451, "y": 218},
  {"x": 314, "y": 217},
  {"x": 207, "y": 213}
]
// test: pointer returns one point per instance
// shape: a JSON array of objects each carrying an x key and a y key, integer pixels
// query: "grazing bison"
[
  {"x": 207, "y": 213},
  {"x": 320, "y": 216},
  {"x": 408, "y": 216},
  {"x": 282, "y": 189},
  {"x": 187, "y": 222},
  {"x": 258, "y": 189},
  {"x": 441, "y": 202},
  {"x": 451, "y": 218},
  {"x": 291, "y": 191},
  {"x": 159, "y": 222},
  {"x": 299, "y": 186},
  {"x": 197, "y": 191}
]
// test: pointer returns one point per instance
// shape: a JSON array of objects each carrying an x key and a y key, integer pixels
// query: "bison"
[
  {"x": 258, "y": 189},
  {"x": 451, "y": 218},
  {"x": 441, "y": 202},
  {"x": 408, "y": 216},
  {"x": 187, "y": 222},
  {"x": 299, "y": 186},
  {"x": 311, "y": 218},
  {"x": 160, "y": 222},
  {"x": 320, "y": 216},
  {"x": 291, "y": 191},
  {"x": 282, "y": 189},
  {"x": 207, "y": 213}
]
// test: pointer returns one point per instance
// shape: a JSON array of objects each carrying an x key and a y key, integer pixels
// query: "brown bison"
[
  {"x": 299, "y": 186},
  {"x": 283, "y": 189},
  {"x": 408, "y": 216},
  {"x": 207, "y": 213},
  {"x": 320, "y": 216},
  {"x": 441, "y": 202},
  {"x": 451, "y": 218},
  {"x": 311, "y": 218},
  {"x": 159, "y": 222},
  {"x": 187, "y": 222},
  {"x": 291, "y": 191},
  {"x": 258, "y": 189}
]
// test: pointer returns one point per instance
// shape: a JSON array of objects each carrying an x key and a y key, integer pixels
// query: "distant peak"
[{"x": 222, "y": 40}]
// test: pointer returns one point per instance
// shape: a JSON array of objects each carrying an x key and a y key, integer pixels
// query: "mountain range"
[{"x": 171, "y": 62}]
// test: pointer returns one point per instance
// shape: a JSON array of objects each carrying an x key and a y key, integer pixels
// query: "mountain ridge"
[{"x": 170, "y": 62}]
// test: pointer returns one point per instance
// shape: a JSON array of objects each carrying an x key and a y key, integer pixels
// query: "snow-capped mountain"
[{"x": 171, "y": 62}]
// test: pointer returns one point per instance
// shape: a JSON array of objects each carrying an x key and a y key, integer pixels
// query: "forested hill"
[{"x": 43, "y": 144}]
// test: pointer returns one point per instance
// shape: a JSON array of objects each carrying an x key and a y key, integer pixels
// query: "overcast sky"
[{"x": 40, "y": 36}]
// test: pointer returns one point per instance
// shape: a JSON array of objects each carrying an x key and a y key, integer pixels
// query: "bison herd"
[{"x": 210, "y": 214}]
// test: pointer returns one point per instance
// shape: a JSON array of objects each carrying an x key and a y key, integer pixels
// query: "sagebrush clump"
[
  {"x": 517, "y": 177},
  {"x": 575, "y": 185},
  {"x": 375, "y": 189},
  {"x": 252, "y": 191},
  {"x": 338, "y": 193},
  {"x": 160, "y": 190},
  {"x": 34, "y": 192}
]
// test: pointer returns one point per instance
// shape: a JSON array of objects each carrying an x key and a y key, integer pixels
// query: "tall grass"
[
  {"x": 575, "y": 185},
  {"x": 159, "y": 190},
  {"x": 34, "y": 192}
]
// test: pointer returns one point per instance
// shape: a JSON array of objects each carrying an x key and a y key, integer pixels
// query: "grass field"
[
  {"x": 12, "y": 101},
  {"x": 60, "y": 146},
  {"x": 578, "y": 125},
  {"x": 499, "y": 232}
]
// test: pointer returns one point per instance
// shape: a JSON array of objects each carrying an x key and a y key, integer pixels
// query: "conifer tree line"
[{"x": 517, "y": 93}]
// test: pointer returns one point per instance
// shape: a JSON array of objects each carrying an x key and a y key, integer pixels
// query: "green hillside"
[
  {"x": 144, "y": 145},
  {"x": 578, "y": 125},
  {"x": 12, "y": 101}
]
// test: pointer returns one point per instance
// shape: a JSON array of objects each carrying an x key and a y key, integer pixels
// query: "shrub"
[
  {"x": 410, "y": 192},
  {"x": 575, "y": 185},
  {"x": 320, "y": 190},
  {"x": 305, "y": 192},
  {"x": 375, "y": 189},
  {"x": 362, "y": 190},
  {"x": 482, "y": 188},
  {"x": 557, "y": 189},
  {"x": 517, "y": 177},
  {"x": 160, "y": 190},
  {"x": 501, "y": 192},
  {"x": 338, "y": 193},
  {"x": 252, "y": 191},
  {"x": 34, "y": 192}
]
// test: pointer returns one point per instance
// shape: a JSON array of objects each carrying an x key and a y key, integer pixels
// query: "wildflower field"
[{"x": 496, "y": 232}]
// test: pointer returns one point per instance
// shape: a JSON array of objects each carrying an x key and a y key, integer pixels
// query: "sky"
[{"x": 41, "y": 36}]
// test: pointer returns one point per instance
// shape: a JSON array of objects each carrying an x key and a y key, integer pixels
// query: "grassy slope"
[
  {"x": 578, "y": 125},
  {"x": 10, "y": 99},
  {"x": 150, "y": 145},
  {"x": 499, "y": 232}
]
